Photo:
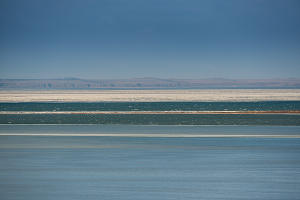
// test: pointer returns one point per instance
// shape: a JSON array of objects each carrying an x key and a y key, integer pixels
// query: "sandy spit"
[
  {"x": 149, "y": 112},
  {"x": 152, "y": 135},
  {"x": 149, "y": 95}
]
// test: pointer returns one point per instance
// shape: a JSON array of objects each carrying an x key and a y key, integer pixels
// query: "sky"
[{"x": 107, "y": 39}]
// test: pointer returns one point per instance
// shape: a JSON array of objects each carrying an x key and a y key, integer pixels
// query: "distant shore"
[{"x": 200, "y": 95}]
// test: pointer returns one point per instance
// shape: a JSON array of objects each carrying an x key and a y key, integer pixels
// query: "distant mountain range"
[{"x": 144, "y": 83}]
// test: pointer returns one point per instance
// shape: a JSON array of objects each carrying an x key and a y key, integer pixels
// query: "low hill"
[{"x": 144, "y": 83}]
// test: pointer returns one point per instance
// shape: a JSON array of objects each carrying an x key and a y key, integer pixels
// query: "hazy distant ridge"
[{"x": 76, "y": 83}]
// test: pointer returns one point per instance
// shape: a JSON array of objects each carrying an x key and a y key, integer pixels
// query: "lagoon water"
[
  {"x": 152, "y": 119},
  {"x": 152, "y": 106},
  {"x": 88, "y": 167}
]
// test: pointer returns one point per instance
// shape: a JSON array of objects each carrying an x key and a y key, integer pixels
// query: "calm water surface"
[
  {"x": 152, "y": 106},
  {"x": 43, "y": 167},
  {"x": 153, "y": 119}
]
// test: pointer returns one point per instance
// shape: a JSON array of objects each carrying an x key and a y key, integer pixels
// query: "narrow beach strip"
[
  {"x": 149, "y": 112},
  {"x": 152, "y": 135}
]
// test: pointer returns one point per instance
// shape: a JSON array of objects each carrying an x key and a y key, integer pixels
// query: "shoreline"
[
  {"x": 147, "y": 112},
  {"x": 149, "y": 135}
]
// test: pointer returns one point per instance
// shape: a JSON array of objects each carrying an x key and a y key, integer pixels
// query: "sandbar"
[{"x": 193, "y": 95}]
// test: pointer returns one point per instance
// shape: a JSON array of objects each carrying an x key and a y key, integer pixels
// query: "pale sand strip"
[
  {"x": 146, "y": 112},
  {"x": 149, "y": 95},
  {"x": 151, "y": 135}
]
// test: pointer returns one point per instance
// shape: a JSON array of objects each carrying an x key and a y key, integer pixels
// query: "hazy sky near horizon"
[{"x": 149, "y": 38}]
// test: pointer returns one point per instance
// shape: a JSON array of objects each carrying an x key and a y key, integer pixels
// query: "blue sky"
[{"x": 149, "y": 38}]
